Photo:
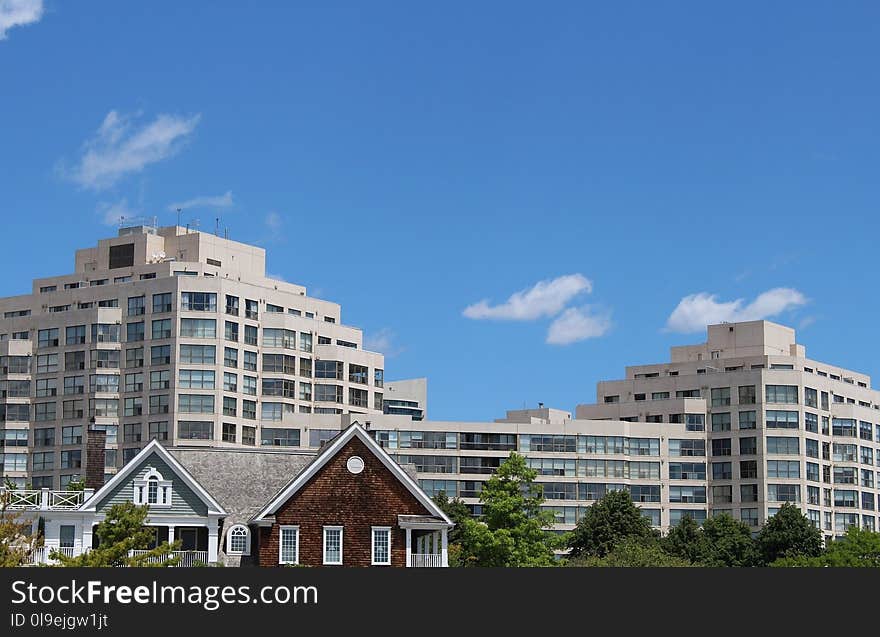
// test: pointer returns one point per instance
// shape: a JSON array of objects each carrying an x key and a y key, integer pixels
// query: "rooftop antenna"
[
  {"x": 178, "y": 217},
  {"x": 217, "y": 226},
  {"x": 226, "y": 233}
]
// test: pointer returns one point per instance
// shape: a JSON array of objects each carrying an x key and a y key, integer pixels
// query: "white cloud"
[
  {"x": 274, "y": 221},
  {"x": 112, "y": 213},
  {"x": 274, "y": 277},
  {"x": 577, "y": 324},
  {"x": 120, "y": 147},
  {"x": 219, "y": 201},
  {"x": 545, "y": 298},
  {"x": 696, "y": 311},
  {"x": 19, "y": 13},
  {"x": 384, "y": 342}
]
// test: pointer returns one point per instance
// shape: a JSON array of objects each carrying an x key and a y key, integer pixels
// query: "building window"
[
  {"x": 248, "y": 435},
  {"x": 161, "y": 328},
  {"x": 720, "y": 396},
  {"x": 159, "y": 430},
  {"x": 288, "y": 545},
  {"x": 238, "y": 540},
  {"x": 195, "y": 430},
  {"x": 161, "y": 303},
  {"x": 231, "y": 331},
  {"x": 229, "y": 431},
  {"x": 721, "y": 422},
  {"x": 782, "y": 394},
  {"x": 748, "y": 469},
  {"x": 332, "y": 545},
  {"x": 781, "y": 419},
  {"x": 276, "y": 437},
  {"x": 381, "y": 546},
  {"x": 198, "y": 301},
  {"x": 198, "y": 328}
]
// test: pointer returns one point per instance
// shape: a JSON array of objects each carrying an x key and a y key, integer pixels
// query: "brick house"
[{"x": 351, "y": 506}]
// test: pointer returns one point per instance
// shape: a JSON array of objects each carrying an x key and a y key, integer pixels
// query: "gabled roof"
[
  {"x": 135, "y": 463},
  {"x": 334, "y": 447}
]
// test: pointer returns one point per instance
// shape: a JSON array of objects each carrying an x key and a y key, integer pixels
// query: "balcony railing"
[
  {"x": 187, "y": 559},
  {"x": 42, "y": 499},
  {"x": 425, "y": 560}
]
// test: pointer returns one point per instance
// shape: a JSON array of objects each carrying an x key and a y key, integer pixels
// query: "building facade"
[
  {"x": 779, "y": 427},
  {"x": 174, "y": 335}
]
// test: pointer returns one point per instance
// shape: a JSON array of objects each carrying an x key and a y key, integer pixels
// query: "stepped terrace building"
[{"x": 174, "y": 335}]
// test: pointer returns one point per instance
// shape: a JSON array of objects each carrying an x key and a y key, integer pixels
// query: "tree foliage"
[
  {"x": 858, "y": 548},
  {"x": 788, "y": 534},
  {"x": 633, "y": 552},
  {"x": 514, "y": 528},
  {"x": 721, "y": 541},
  {"x": 606, "y": 523},
  {"x": 123, "y": 530},
  {"x": 17, "y": 541}
]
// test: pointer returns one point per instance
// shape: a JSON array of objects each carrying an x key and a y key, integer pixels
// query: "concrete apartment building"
[
  {"x": 779, "y": 427},
  {"x": 170, "y": 334}
]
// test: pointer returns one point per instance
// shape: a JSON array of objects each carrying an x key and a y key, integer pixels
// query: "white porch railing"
[
  {"x": 37, "y": 556},
  {"x": 42, "y": 499},
  {"x": 65, "y": 499},
  {"x": 425, "y": 560},
  {"x": 20, "y": 499},
  {"x": 187, "y": 559}
]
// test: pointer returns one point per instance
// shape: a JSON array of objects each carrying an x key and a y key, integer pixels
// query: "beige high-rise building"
[
  {"x": 779, "y": 426},
  {"x": 171, "y": 334}
]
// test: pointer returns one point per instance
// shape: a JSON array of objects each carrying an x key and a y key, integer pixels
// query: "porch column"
[
  {"x": 444, "y": 549},
  {"x": 170, "y": 533},
  {"x": 86, "y": 537},
  {"x": 409, "y": 547},
  {"x": 212, "y": 543}
]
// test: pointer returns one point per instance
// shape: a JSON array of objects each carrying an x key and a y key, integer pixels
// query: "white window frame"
[
  {"x": 341, "y": 533},
  {"x": 141, "y": 490},
  {"x": 247, "y": 540},
  {"x": 281, "y": 530},
  {"x": 387, "y": 531}
]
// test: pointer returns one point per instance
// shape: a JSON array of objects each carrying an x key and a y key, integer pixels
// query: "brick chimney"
[{"x": 95, "y": 441}]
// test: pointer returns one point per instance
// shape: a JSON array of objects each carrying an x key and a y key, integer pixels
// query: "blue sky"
[{"x": 655, "y": 165}]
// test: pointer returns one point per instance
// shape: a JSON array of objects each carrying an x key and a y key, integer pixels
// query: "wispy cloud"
[
  {"x": 384, "y": 341},
  {"x": 274, "y": 277},
  {"x": 218, "y": 201},
  {"x": 806, "y": 322},
  {"x": 19, "y": 13},
  {"x": 696, "y": 311},
  {"x": 121, "y": 146},
  {"x": 577, "y": 324},
  {"x": 273, "y": 222},
  {"x": 113, "y": 213},
  {"x": 545, "y": 298}
]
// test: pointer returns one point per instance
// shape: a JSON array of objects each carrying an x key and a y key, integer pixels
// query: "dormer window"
[{"x": 152, "y": 489}]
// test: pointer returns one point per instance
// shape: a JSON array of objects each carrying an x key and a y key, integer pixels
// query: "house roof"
[
  {"x": 332, "y": 448},
  {"x": 214, "y": 508}
]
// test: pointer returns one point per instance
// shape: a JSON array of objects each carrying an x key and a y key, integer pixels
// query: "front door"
[{"x": 188, "y": 538}]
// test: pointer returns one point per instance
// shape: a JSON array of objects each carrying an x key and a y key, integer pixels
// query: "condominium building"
[
  {"x": 779, "y": 427},
  {"x": 175, "y": 335}
]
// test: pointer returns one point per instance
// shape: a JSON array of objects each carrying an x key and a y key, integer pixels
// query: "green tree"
[
  {"x": 789, "y": 533},
  {"x": 684, "y": 540},
  {"x": 456, "y": 510},
  {"x": 606, "y": 523},
  {"x": 17, "y": 540},
  {"x": 633, "y": 552},
  {"x": 858, "y": 548},
  {"x": 514, "y": 529},
  {"x": 727, "y": 542},
  {"x": 123, "y": 530}
]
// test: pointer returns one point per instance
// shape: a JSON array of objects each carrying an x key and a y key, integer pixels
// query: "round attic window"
[{"x": 355, "y": 464}]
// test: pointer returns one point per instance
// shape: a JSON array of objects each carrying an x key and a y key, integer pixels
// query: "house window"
[
  {"x": 381, "y": 546},
  {"x": 67, "y": 533},
  {"x": 239, "y": 540},
  {"x": 153, "y": 490},
  {"x": 288, "y": 545},
  {"x": 332, "y": 545}
]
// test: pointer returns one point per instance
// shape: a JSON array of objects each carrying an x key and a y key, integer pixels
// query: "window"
[
  {"x": 238, "y": 541},
  {"x": 358, "y": 373},
  {"x": 721, "y": 447},
  {"x": 865, "y": 430},
  {"x": 250, "y": 334},
  {"x": 47, "y": 363},
  {"x": 198, "y": 301},
  {"x": 195, "y": 404},
  {"x": 328, "y": 393},
  {"x": 332, "y": 545},
  {"x": 230, "y": 382},
  {"x": 782, "y": 394},
  {"x": 811, "y": 422},
  {"x": 783, "y": 493},
  {"x": 811, "y": 447},
  {"x": 133, "y": 406},
  {"x": 248, "y": 435},
  {"x": 198, "y": 328},
  {"x": 748, "y": 492},
  {"x": 720, "y": 396},
  {"x": 288, "y": 544},
  {"x": 824, "y": 400},
  {"x": 71, "y": 459},
  {"x": 305, "y": 391},
  {"x": 195, "y": 430},
  {"x": 105, "y": 333},
  {"x": 250, "y": 361},
  {"x": 104, "y": 359},
  {"x": 660, "y": 395},
  {"x": 721, "y": 422},
  {"x": 161, "y": 354},
  {"x": 75, "y": 335},
  {"x": 230, "y": 432},
  {"x": 328, "y": 369},
  {"x": 782, "y": 446},
  {"x": 275, "y": 437},
  {"x": 305, "y": 342},
  {"x": 722, "y": 471},
  {"x": 249, "y": 385},
  {"x": 381, "y": 546},
  {"x": 748, "y": 469},
  {"x": 160, "y": 379},
  {"x": 843, "y": 427},
  {"x": 159, "y": 404},
  {"x": 47, "y": 338},
  {"x": 251, "y": 309},
  {"x": 230, "y": 357},
  {"x": 134, "y": 357},
  {"x": 249, "y": 409},
  {"x": 810, "y": 397},
  {"x": 45, "y": 387},
  {"x": 43, "y": 461},
  {"x": 159, "y": 430},
  {"x": 272, "y": 412},
  {"x": 687, "y": 470},
  {"x": 232, "y": 305},
  {"x": 161, "y": 303},
  {"x": 358, "y": 397},
  {"x": 134, "y": 382},
  {"x": 136, "y": 305},
  {"x": 132, "y": 432},
  {"x": 781, "y": 419},
  {"x": 198, "y": 354},
  {"x": 44, "y": 411},
  {"x": 681, "y": 494},
  {"x": 748, "y": 446},
  {"x": 161, "y": 328},
  {"x": 785, "y": 469},
  {"x": 231, "y": 331},
  {"x": 196, "y": 379}
]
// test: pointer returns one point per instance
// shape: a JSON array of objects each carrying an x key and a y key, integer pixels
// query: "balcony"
[
  {"x": 425, "y": 560},
  {"x": 43, "y": 499}
]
